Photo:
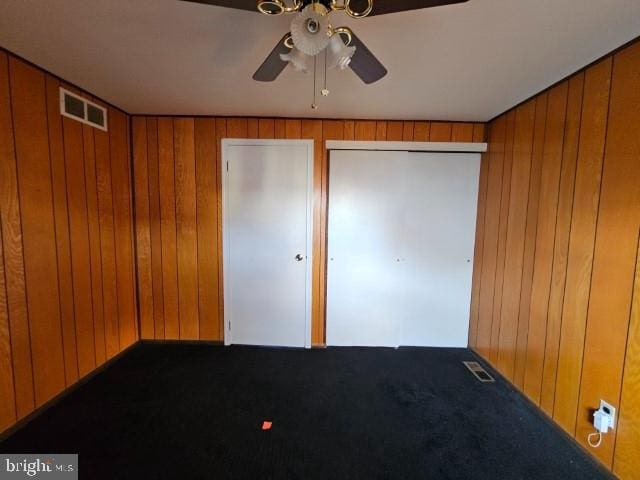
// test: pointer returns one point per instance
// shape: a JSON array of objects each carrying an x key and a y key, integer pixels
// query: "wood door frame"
[{"x": 231, "y": 142}]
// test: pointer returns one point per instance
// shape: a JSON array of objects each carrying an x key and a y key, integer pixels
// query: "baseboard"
[
  {"x": 64, "y": 393},
  {"x": 541, "y": 413}
]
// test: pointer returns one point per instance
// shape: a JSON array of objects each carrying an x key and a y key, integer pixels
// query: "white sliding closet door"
[
  {"x": 365, "y": 281},
  {"x": 401, "y": 232}
]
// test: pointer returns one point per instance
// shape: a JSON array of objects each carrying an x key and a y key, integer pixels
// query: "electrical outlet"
[{"x": 605, "y": 417}]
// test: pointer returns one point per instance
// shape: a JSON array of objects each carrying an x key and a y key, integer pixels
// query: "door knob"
[{"x": 299, "y": 257}]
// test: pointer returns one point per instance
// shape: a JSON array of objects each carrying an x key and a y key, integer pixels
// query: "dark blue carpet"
[{"x": 168, "y": 411}]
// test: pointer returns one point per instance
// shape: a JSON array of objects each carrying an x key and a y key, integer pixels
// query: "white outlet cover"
[{"x": 609, "y": 410}]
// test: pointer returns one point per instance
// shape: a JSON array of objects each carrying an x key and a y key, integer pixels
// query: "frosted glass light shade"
[
  {"x": 339, "y": 55},
  {"x": 298, "y": 60},
  {"x": 310, "y": 41}
]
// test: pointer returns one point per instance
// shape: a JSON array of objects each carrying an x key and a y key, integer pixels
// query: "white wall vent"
[{"x": 83, "y": 110}]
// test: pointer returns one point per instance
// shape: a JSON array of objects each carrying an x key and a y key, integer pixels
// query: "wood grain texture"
[
  {"x": 365, "y": 130},
  {"x": 441, "y": 131},
  {"x": 421, "y": 131},
  {"x": 496, "y": 324},
  {"x": 491, "y": 232},
  {"x": 530, "y": 240},
  {"x": 613, "y": 268},
  {"x": 545, "y": 239},
  {"x": 122, "y": 215},
  {"x": 143, "y": 229},
  {"x": 80, "y": 249},
  {"x": 107, "y": 243},
  {"x": 407, "y": 131},
  {"x": 7, "y": 390},
  {"x": 581, "y": 242},
  {"x": 207, "y": 225},
  {"x": 395, "y": 132},
  {"x": 93, "y": 220},
  {"x": 580, "y": 341},
  {"x": 515, "y": 240},
  {"x": 155, "y": 227},
  {"x": 168, "y": 228},
  {"x": 56, "y": 304},
  {"x": 61, "y": 215},
  {"x": 462, "y": 132},
  {"x": 478, "y": 251},
  {"x": 561, "y": 247},
  {"x": 13, "y": 252},
  {"x": 38, "y": 228},
  {"x": 626, "y": 462},
  {"x": 186, "y": 227}
]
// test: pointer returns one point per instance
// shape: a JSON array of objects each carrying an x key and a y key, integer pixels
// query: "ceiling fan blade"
[
  {"x": 273, "y": 64},
  {"x": 237, "y": 4},
  {"x": 382, "y": 7},
  {"x": 364, "y": 63}
]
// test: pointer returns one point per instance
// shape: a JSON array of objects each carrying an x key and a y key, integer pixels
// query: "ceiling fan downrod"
[{"x": 278, "y": 7}]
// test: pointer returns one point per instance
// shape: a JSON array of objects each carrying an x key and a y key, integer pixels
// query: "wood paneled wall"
[
  {"x": 178, "y": 209},
  {"x": 67, "y": 286},
  {"x": 554, "y": 308}
]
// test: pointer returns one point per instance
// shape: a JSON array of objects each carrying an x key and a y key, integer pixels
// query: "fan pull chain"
[
  {"x": 314, "y": 106},
  {"x": 325, "y": 91}
]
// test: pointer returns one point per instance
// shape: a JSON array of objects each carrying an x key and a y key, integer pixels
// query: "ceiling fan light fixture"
[
  {"x": 271, "y": 7},
  {"x": 339, "y": 53},
  {"x": 310, "y": 31},
  {"x": 298, "y": 60}
]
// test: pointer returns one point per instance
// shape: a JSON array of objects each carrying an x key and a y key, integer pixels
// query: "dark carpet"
[{"x": 196, "y": 411}]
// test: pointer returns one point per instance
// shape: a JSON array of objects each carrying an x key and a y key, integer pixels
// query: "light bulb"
[
  {"x": 298, "y": 60},
  {"x": 339, "y": 54}
]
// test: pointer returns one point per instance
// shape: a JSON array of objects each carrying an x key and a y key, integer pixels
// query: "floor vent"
[{"x": 480, "y": 373}]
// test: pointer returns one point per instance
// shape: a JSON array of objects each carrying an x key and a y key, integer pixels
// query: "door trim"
[{"x": 230, "y": 142}]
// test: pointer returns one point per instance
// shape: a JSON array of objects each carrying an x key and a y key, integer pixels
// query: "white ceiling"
[{"x": 462, "y": 62}]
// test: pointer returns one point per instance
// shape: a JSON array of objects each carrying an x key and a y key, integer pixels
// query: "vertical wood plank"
[
  {"x": 266, "y": 128},
  {"x": 13, "y": 252},
  {"x": 280, "y": 128},
  {"x": 478, "y": 250},
  {"x": 613, "y": 268},
  {"x": 186, "y": 228},
  {"x": 479, "y": 133},
  {"x": 7, "y": 389},
  {"x": 495, "y": 156},
  {"x": 530, "y": 239},
  {"x": 440, "y": 131},
  {"x": 515, "y": 240},
  {"x": 61, "y": 214},
  {"x": 107, "y": 243},
  {"x": 94, "y": 243},
  {"x": 462, "y": 132},
  {"x": 365, "y": 130},
  {"x": 293, "y": 129},
  {"x": 626, "y": 461},
  {"x": 581, "y": 242},
  {"x": 79, "y": 237},
  {"x": 121, "y": 188},
  {"x": 381, "y": 131},
  {"x": 207, "y": 223},
  {"x": 349, "y": 130},
  {"x": 252, "y": 128},
  {"x": 395, "y": 131},
  {"x": 168, "y": 225},
  {"x": 545, "y": 239},
  {"x": 502, "y": 236},
  {"x": 237, "y": 128},
  {"x": 156, "y": 227},
  {"x": 38, "y": 227},
  {"x": 313, "y": 129},
  {"x": 560, "y": 253},
  {"x": 407, "y": 131},
  {"x": 143, "y": 229},
  {"x": 421, "y": 131},
  {"x": 221, "y": 132}
]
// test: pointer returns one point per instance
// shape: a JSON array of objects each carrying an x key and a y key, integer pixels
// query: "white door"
[
  {"x": 400, "y": 247},
  {"x": 364, "y": 281},
  {"x": 267, "y": 215}
]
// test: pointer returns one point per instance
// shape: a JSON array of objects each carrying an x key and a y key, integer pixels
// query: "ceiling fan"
[{"x": 312, "y": 33}]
